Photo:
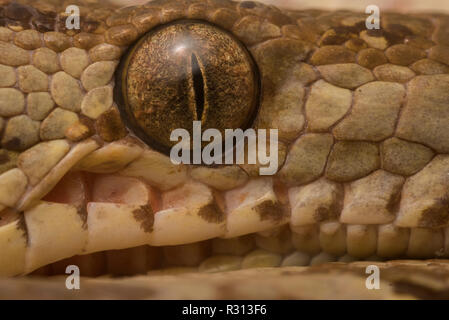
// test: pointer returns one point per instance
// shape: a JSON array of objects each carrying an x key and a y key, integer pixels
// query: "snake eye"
[{"x": 183, "y": 72}]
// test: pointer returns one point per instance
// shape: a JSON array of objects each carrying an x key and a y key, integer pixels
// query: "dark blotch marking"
[
  {"x": 399, "y": 30},
  {"x": 394, "y": 201},
  {"x": 377, "y": 33},
  {"x": 436, "y": 216},
  {"x": 326, "y": 213},
  {"x": 270, "y": 210},
  {"x": 349, "y": 32},
  {"x": 394, "y": 33},
  {"x": 358, "y": 27},
  {"x": 42, "y": 23},
  {"x": 357, "y": 42},
  {"x": 212, "y": 213},
  {"x": 15, "y": 11},
  {"x": 4, "y": 157},
  {"x": 248, "y": 5},
  {"x": 23, "y": 227},
  {"x": 82, "y": 212},
  {"x": 14, "y": 144},
  {"x": 89, "y": 26},
  {"x": 145, "y": 216},
  {"x": 420, "y": 291},
  {"x": 48, "y": 12},
  {"x": 322, "y": 214},
  {"x": 334, "y": 40},
  {"x": 88, "y": 122}
]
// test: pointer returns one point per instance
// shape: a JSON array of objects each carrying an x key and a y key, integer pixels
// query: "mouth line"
[{"x": 100, "y": 197}]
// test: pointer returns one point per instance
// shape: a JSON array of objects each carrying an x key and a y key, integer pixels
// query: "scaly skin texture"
[
  {"x": 399, "y": 280},
  {"x": 363, "y": 125}
]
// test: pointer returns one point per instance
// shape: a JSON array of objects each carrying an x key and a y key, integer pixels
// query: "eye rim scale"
[{"x": 206, "y": 98}]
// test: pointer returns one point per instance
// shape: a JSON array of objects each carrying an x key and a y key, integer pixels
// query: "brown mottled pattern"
[
  {"x": 269, "y": 210},
  {"x": 350, "y": 104},
  {"x": 145, "y": 215},
  {"x": 82, "y": 212},
  {"x": 212, "y": 213}
]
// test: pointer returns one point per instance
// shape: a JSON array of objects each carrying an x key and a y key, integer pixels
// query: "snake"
[{"x": 86, "y": 111}]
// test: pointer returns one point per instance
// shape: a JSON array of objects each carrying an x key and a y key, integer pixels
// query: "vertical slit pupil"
[{"x": 198, "y": 86}]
